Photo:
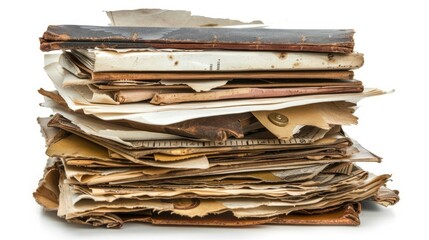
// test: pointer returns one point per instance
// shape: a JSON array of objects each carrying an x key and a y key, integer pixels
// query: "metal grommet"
[{"x": 278, "y": 119}]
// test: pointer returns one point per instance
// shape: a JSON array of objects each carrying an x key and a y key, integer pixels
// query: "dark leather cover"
[{"x": 83, "y": 37}]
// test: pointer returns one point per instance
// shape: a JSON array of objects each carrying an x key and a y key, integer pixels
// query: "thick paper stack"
[{"x": 204, "y": 126}]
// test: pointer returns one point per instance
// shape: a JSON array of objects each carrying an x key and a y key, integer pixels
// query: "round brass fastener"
[{"x": 278, "y": 119}]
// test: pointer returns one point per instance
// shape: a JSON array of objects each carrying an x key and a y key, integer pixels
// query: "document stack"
[{"x": 204, "y": 126}]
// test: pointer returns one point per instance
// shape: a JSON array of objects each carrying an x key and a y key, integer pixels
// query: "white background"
[{"x": 392, "y": 35}]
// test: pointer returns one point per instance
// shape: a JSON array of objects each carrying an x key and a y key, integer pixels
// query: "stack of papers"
[{"x": 204, "y": 126}]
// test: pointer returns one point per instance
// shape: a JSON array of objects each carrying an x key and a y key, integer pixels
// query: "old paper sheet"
[
  {"x": 166, "y": 60},
  {"x": 66, "y": 148},
  {"x": 170, "y": 18},
  {"x": 198, "y": 86},
  {"x": 321, "y": 115},
  {"x": 162, "y": 115}
]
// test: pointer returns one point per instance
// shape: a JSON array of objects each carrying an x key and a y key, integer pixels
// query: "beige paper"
[
  {"x": 162, "y": 115},
  {"x": 111, "y": 131},
  {"x": 321, "y": 115},
  {"x": 77, "y": 147},
  {"x": 166, "y": 60},
  {"x": 197, "y": 85},
  {"x": 169, "y": 18}
]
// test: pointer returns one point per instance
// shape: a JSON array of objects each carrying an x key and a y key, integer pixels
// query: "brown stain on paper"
[{"x": 282, "y": 56}]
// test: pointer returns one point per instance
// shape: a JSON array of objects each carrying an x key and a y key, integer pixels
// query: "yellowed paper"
[
  {"x": 321, "y": 115},
  {"x": 169, "y": 18}
]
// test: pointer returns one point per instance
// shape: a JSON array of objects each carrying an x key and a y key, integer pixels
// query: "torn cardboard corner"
[
  {"x": 50, "y": 134},
  {"x": 47, "y": 193},
  {"x": 170, "y": 18}
]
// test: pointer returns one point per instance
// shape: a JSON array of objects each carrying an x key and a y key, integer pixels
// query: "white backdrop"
[{"x": 391, "y": 34}]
